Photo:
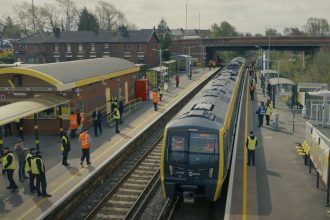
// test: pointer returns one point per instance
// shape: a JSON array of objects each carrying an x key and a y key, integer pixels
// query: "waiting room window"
[
  {"x": 92, "y": 47},
  {"x": 140, "y": 48},
  {"x": 80, "y": 47},
  {"x": 68, "y": 48},
  {"x": 35, "y": 46},
  {"x": 106, "y": 46},
  {"x": 56, "y": 47},
  {"x": 140, "y": 60},
  {"x": 126, "y": 48},
  {"x": 24, "y": 46}
]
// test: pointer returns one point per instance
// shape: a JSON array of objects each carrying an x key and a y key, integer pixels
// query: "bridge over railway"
[{"x": 207, "y": 47}]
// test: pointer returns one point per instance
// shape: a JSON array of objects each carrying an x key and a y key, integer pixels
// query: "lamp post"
[{"x": 268, "y": 48}]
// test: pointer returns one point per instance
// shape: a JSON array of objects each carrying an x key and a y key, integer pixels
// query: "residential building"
[{"x": 133, "y": 45}]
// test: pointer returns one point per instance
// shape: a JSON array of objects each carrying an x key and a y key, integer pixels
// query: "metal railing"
[{"x": 129, "y": 107}]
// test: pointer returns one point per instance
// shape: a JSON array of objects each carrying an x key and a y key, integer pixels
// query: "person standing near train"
[{"x": 251, "y": 144}]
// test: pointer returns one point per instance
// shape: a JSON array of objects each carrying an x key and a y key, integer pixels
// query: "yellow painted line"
[
  {"x": 38, "y": 204},
  {"x": 244, "y": 214}
]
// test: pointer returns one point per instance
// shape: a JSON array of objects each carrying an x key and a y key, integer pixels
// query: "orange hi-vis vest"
[
  {"x": 73, "y": 121},
  {"x": 155, "y": 97},
  {"x": 84, "y": 141}
]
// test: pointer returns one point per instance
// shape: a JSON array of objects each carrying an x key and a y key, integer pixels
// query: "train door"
[{"x": 225, "y": 152}]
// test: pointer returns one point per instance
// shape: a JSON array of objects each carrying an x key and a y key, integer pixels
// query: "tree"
[
  {"x": 11, "y": 30},
  {"x": 109, "y": 17},
  {"x": 293, "y": 31},
  {"x": 224, "y": 30},
  {"x": 317, "y": 27},
  {"x": 165, "y": 38},
  {"x": 69, "y": 15},
  {"x": 87, "y": 21},
  {"x": 272, "y": 32}
]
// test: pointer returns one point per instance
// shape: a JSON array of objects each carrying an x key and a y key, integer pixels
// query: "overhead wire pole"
[
  {"x": 34, "y": 25},
  {"x": 200, "y": 35},
  {"x": 186, "y": 17}
]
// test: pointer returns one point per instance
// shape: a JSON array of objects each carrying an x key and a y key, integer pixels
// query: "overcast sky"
[{"x": 246, "y": 15}]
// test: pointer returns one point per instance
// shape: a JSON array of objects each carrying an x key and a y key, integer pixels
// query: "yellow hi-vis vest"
[
  {"x": 12, "y": 166},
  {"x": 252, "y": 143},
  {"x": 116, "y": 114},
  {"x": 269, "y": 110},
  {"x": 34, "y": 167},
  {"x": 27, "y": 167},
  {"x": 66, "y": 141}
]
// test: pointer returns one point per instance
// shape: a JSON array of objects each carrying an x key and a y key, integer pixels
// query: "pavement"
[
  {"x": 61, "y": 180},
  {"x": 279, "y": 186}
]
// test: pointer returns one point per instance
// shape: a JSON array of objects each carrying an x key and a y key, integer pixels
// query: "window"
[
  {"x": 68, "y": 48},
  {"x": 140, "y": 60},
  {"x": 56, "y": 59},
  {"x": 24, "y": 46},
  {"x": 126, "y": 48},
  {"x": 80, "y": 48},
  {"x": 106, "y": 46},
  {"x": 193, "y": 148},
  {"x": 35, "y": 46},
  {"x": 140, "y": 48},
  {"x": 56, "y": 47},
  {"x": 30, "y": 60},
  {"x": 47, "y": 114},
  {"x": 92, "y": 47}
]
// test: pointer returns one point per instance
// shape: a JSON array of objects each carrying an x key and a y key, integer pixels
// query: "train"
[{"x": 197, "y": 143}]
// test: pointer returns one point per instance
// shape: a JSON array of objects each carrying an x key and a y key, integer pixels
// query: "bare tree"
[
  {"x": 52, "y": 14},
  {"x": 70, "y": 14},
  {"x": 110, "y": 17},
  {"x": 317, "y": 27}
]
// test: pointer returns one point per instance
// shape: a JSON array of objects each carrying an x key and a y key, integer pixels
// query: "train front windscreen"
[{"x": 192, "y": 154}]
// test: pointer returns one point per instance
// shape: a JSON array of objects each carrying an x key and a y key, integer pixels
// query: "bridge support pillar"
[{"x": 303, "y": 59}]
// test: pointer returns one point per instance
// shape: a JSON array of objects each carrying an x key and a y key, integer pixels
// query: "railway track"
[{"x": 131, "y": 192}]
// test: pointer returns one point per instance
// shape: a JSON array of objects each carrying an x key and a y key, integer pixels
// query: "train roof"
[{"x": 208, "y": 109}]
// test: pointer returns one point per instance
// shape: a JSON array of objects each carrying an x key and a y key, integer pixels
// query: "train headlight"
[
  {"x": 211, "y": 172},
  {"x": 170, "y": 168}
]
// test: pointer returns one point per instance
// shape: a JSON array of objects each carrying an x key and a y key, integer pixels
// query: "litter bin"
[{"x": 277, "y": 121}]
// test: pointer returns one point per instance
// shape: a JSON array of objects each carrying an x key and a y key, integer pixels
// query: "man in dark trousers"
[
  {"x": 251, "y": 144},
  {"x": 251, "y": 89},
  {"x": 261, "y": 113},
  {"x": 269, "y": 89},
  {"x": 116, "y": 116},
  {"x": 65, "y": 148},
  {"x": 121, "y": 109},
  {"x": 28, "y": 170},
  {"x": 85, "y": 144},
  {"x": 97, "y": 116},
  {"x": 10, "y": 167},
  {"x": 38, "y": 169}
]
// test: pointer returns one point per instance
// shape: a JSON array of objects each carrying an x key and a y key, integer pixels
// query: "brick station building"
[
  {"x": 48, "y": 47},
  {"x": 85, "y": 84}
]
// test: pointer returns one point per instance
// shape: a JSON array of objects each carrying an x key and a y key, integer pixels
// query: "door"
[
  {"x": 107, "y": 100},
  {"x": 126, "y": 92}
]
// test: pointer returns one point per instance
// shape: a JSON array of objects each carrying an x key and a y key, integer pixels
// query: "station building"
[{"x": 59, "y": 88}]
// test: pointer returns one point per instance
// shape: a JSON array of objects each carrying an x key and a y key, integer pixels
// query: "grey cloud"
[{"x": 246, "y": 15}]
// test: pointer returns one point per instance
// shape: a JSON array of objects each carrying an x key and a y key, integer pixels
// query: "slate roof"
[{"x": 132, "y": 36}]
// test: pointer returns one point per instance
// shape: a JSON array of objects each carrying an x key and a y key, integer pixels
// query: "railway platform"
[
  {"x": 279, "y": 186},
  {"x": 61, "y": 180}
]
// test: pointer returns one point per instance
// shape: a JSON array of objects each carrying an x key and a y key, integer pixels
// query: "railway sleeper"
[
  {"x": 136, "y": 180},
  {"x": 127, "y": 191},
  {"x": 120, "y": 204},
  {"x": 139, "y": 176},
  {"x": 102, "y": 216},
  {"x": 141, "y": 171},
  {"x": 115, "y": 211},
  {"x": 126, "y": 197},
  {"x": 134, "y": 185}
]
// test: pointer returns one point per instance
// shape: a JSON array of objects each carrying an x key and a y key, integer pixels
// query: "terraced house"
[{"x": 133, "y": 45}]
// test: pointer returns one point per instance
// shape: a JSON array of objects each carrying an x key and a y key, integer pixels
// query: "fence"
[
  {"x": 128, "y": 108},
  {"x": 317, "y": 147},
  {"x": 317, "y": 112}
]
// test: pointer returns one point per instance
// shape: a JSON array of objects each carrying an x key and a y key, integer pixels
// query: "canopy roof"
[
  {"x": 72, "y": 74},
  {"x": 275, "y": 81},
  {"x": 28, "y": 107}
]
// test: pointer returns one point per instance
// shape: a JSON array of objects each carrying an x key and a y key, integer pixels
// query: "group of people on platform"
[
  {"x": 29, "y": 162},
  {"x": 263, "y": 111}
]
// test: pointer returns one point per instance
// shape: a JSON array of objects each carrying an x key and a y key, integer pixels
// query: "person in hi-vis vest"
[
  {"x": 9, "y": 166},
  {"x": 251, "y": 144}
]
